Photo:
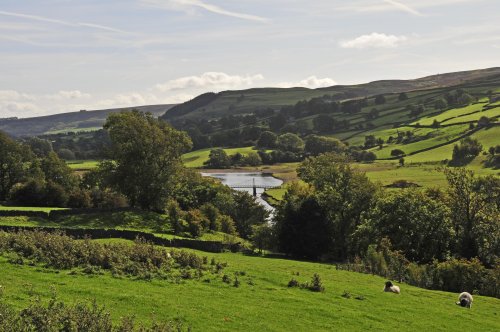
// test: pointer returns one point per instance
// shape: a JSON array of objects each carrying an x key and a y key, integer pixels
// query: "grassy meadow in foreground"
[{"x": 262, "y": 302}]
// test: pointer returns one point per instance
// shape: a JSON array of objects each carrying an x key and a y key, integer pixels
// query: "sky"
[{"x": 67, "y": 55}]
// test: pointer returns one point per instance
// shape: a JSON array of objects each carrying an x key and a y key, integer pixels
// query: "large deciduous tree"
[
  {"x": 13, "y": 159},
  {"x": 344, "y": 192},
  {"x": 475, "y": 213},
  {"x": 147, "y": 157},
  {"x": 415, "y": 223}
]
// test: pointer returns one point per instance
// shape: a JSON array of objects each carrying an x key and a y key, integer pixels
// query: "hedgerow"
[{"x": 141, "y": 259}]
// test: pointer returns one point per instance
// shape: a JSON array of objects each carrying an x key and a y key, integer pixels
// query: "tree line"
[{"x": 144, "y": 171}]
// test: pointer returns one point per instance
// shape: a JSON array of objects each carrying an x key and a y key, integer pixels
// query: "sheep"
[
  {"x": 465, "y": 300},
  {"x": 389, "y": 287}
]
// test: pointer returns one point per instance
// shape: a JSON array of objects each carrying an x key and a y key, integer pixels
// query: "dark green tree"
[
  {"x": 14, "y": 161},
  {"x": 267, "y": 139},
  {"x": 416, "y": 224},
  {"x": 147, "y": 157},
  {"x": 344, "y": 193},
  {"x": 316, "y": 145},
  {"x": 475, "y": 206},
  {"x": 218, "y": 158},
  {"x": 290, "y": 142}
]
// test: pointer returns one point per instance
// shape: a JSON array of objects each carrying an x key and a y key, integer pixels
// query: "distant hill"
[
  {"x": 66, "y": 122},
  {"x": 210, "y": 105}
]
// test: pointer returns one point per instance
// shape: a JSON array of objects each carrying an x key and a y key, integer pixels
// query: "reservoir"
[{"x": 235, "y": 179}]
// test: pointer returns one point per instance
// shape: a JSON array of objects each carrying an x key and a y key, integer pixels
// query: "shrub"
[
  {"x": 293, "y": 283},
  {"x": 142, "y": 260},
  {"x": 316, "y": 285}
]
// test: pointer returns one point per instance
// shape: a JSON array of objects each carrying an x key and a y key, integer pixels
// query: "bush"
[
  {"x": 58, "y": 316},
  {"x": 141, "y": 260},
  {"x": 316, "y": 285}
]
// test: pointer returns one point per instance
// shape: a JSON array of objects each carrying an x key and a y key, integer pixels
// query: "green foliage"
[
  {"x": 13, "y": 159},
  {"x": 303, "y": 229},
  {"x": 218, "y": 158},
  {"x": 379, "y": 100},
  {"x": 416, "y": 224},
  {"x": 397, "y": 152},
  {"x": 474, "y": 205},
  {"x": 467, "y": 150},
  {"x": 55, "y": 250},
  {"x": 316, "y": 145},
  {"x": 290, "y": 142},
  {"x": 267, "y": 139},
  {"x": 263, "y": 237},
  {"x": 58, "y": 172},
  {"x": 81, "y": 316},
  {"x": 146, "y": 154}
]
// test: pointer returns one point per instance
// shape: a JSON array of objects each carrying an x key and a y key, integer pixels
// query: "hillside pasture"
[
  {"x": 262, "y": 302},
  {"x": 195, "y": 159}
]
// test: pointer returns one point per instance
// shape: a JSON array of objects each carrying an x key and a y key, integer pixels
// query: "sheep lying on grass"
[
  {"x": 389, "y": 287},
  {"x": 465, "y": 300}
]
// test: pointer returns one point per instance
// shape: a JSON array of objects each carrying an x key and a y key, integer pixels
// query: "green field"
[
  {"x": 29, "y": 208},
  {"x": 82, "y": 164},
  {"x": 262, "y": 302},
  {"x": 195, "y": 159},
  {"x": 72, "y": 130}
]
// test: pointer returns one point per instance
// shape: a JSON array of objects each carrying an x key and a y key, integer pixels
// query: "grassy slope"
[
  {"x": 268, "y": 305},
  {"x": 195, "y": 159},
  {"x": 230, "y": 102},
  {"x": 82, "y": 164}
]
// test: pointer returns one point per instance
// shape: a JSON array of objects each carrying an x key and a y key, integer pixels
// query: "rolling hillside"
[
  {"x": 262, "y": 301},
  {"x": 247, "y": 101},
  {"x": 66, "y": 122}
]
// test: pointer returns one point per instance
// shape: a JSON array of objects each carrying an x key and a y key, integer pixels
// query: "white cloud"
[
  {"x": 60, "y": 22},
  {"x": 311, "y": 82},
  {"x": 68, "y": 94},
  {"x": 217, "y": 80},
  {"x": 187, "y": 4},
  {"x": 403, "y": 7},
  {"x": 374, "y": 40}
]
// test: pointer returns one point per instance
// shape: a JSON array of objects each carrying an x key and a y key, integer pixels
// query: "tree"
[
  {"x": 467, "y": 150},
  {"x": 302, "y": 226},
  {"x": 344, "y": 193},
  {"x": 316, "y": 145},
  {"x": 475, "y": 206},
  {"x": 147, "y": 157},
  {"x": 244, "y": 211},
  {"x": 277, "y": 122},
  {"x": 414, "y": 223},
  {"x": 267, "y": 139},
  {"x": 290, "y": 142},
  {"x": 40, "y": 147},
  {"x": 323, "y": 123},
  {"x": 218, "y": 158},
  {"x": 441, "y": 104},
  {"x": 402, "y": 96},
  {"x": 13, "y": 159},
  {"x": 66, "y": 154},
  {"x": 252, "y": 159},
  {"x": 379, "y": 100},
  {"x": 58, "y": 172},
  {"x": 484, "y": 121},
  {"x": 262, "y": 237},
  {"x": 397, "y": 152},
  {"x": 370, "y": 141}
]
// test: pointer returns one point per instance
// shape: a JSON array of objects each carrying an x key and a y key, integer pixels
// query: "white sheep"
[
  {"x": 389, "y": 287},
  {"x": 465, "y": 300}
]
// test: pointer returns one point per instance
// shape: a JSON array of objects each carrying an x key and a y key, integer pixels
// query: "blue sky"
[{"x": 66, "y": 55}]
